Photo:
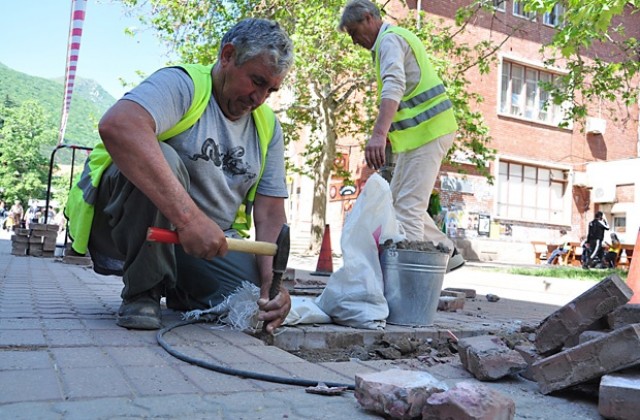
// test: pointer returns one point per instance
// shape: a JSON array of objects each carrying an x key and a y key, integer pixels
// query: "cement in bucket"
[{"x": 412, "y": 284}]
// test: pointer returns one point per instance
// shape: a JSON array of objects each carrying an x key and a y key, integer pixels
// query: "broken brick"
[
  {"x": 619, "y": 396},
  {"x": 399, "y": 394},
  {"x": 469, "y": 401},
  {"x": 581, "y": 312},
  {"x": 617, "y": 350},
  {"x": 470, "y": 293},
  {"x": 624, "y": 315},
  {"x": 488, "y": 358},
  {"x": 450, "y": 304}
]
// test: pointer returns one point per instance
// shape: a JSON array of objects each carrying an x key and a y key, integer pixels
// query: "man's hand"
[
  {"x": 273, "y": 312},
  {"x": 374, "y": 151},
  {"x": 202, "y": 238}
]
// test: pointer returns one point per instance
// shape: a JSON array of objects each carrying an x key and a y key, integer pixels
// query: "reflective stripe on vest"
[
  {"x": 82, "y": 197},
  {"x": 425, "y": 113}
]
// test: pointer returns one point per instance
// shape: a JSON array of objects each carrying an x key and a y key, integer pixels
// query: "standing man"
[
  {"x": 194, "y": 149},
  {"x": 595, "y": 236},
  {"x": 415, "y": 114}
]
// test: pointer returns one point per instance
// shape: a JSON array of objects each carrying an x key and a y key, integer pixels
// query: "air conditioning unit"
[
  {"x": 603, "y": 193},
  {"x": 596, "y": 125},
  {"x": 580, "y": 179}
]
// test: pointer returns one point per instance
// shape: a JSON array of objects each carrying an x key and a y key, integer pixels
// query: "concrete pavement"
[{"x": 63, "y": 357}]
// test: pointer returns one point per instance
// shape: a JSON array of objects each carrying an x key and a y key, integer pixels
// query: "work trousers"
[
  {"x": 118, "y": 246},
  {"x": 413, "y": 180}
]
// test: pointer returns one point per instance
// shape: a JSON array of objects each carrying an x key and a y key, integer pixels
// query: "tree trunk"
[{"x": 322, "y": 173}]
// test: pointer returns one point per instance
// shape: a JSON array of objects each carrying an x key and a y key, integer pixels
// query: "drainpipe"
[{"x": 419, "y": 8}]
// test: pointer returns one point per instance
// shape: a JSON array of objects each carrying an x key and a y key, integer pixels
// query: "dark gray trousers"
[{"x": 118, "y": 246}]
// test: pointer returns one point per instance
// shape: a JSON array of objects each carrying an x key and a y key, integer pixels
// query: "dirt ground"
[{"x": 429, "y": 353}]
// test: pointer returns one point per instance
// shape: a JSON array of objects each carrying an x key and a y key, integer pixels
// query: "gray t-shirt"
[{"x": 222, "y": 156}]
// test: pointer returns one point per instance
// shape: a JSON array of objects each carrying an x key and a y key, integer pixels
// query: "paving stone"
[
  {"x": 469, "y": 401},
  {"x": 619, "y": 396},
  {"x": 20, "y": 359},
  {"x": 489, "y": 358},
  {"x": 584, "y": 310},
  {"x": 89, "y": 382},
  {"x": 590, "y": 360},
  {"x": 399, "y": 394},
  {"x": 29, "y": 385}
]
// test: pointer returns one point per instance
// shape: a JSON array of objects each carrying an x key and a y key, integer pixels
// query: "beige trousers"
[{"x": 413, "y": 180}]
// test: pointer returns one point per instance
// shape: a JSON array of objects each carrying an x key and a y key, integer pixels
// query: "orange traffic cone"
[
  {"x": 633, "y": 277},
  {"x": 325, "y": 260}
]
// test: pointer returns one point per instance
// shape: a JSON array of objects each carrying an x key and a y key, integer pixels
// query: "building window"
[
  {"x": 518, "y": 10},
  {"x": 620, "y": 223},
  {"x": 522, "y": 96},
  {"x": 499, "y": 5},
  {"x": 554, "y": 17},
  {"x": 531, "y": 193}
]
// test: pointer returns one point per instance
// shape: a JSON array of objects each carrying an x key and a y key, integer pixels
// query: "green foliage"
[
  {"x": 24, "y": 137},
  {"x": 568, "y": 272},
  {"x": 88, "y": 104}
]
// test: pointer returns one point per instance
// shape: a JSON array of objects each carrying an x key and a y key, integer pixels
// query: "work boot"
[
  {"x": 455, "y": 261},
  {"x": 142, "y": 312}
]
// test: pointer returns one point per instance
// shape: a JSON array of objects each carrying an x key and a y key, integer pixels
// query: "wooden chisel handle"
[{"x": 167, "y": 236}]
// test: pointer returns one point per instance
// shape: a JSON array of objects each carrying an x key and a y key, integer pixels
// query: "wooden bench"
[
  {"x": 539, "y": 251},
  {"x": 564, "y": 259}
]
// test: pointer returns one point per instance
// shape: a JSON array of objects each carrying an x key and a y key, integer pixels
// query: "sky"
[{"x": 35, "y": 34}]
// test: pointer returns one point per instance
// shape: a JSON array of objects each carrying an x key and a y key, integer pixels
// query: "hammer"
[{"x": 279, "y": 250}]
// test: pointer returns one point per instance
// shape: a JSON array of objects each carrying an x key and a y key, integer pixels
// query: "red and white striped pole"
[{"x": 78, "y": 11}]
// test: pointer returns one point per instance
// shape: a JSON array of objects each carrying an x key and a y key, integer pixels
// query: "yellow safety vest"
[
  {"x": 424, "y": 114},
  {"x": 82, "y": 197}
]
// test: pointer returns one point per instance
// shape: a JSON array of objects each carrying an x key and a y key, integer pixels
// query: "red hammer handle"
[{"x": 166, "y": 236}]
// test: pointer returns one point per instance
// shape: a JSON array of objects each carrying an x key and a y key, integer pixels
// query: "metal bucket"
[{"x": 412, "y": 284}]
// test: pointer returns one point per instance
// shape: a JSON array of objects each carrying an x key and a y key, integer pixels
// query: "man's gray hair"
[
  {"x": 355, "y": 12},
  {"x": 254, "y": 37}
]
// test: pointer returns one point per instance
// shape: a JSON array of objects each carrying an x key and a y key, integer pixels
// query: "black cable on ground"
[{"x": 236, "y": 372}]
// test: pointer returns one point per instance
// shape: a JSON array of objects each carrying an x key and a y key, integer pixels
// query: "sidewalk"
[{"x": 62, "y": 356}]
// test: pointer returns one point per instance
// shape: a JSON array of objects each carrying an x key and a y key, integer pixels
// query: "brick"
[
  {"x": 71, "y": 259},
  {"x": 530, "y": 356},
  {"x": 617, "y": 350},
  {"x": 399, "y": 394},
  {"x": 619, "y": 396},
  {"x": 470, "y": 293},
  {"x": 450, "y": 303},
  {"x": 467, "y": 400},
  {"x": 19, "y": 239},
  {"x": 591, "y": 335},
  {"x": 453, "y": 294},
  {"x": 488, "y": 358},
  {"x": 624, "y": 315},
  {"x": 584, "y": 310}
]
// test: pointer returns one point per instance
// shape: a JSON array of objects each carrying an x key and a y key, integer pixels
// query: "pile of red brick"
[
  {"x": 38, "y": 241},
  {"x": 593, "y": 341}
]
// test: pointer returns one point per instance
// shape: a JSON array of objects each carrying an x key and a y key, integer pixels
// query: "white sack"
[{"x": 354, "y": 295}]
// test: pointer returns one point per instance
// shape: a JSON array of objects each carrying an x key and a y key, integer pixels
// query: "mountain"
[{"x": 89, "y": 102}]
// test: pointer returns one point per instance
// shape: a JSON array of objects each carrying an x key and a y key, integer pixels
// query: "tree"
[{"x": 24, "y": 138}]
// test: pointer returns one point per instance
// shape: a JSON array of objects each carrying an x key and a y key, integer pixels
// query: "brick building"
[{"x": 546, "y": 178}]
